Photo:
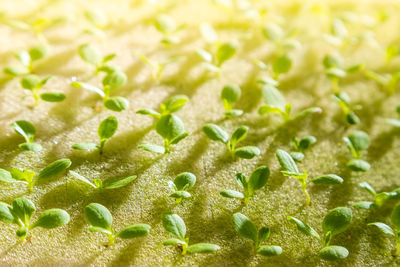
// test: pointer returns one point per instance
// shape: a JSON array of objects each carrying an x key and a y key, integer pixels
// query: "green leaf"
[
  {"x": 108, "y": 127},
  {"x": 332, "y": 253},
  {"x": 214, "y": 132},
  {"x": 22, "y": 175},
  {"x": 89, "y": 54},
  {"x": 174, "y": 225},
  {"x": 359, "y": 140},
  {"x": 81, "y": 178},
  {"x": 30, "y": 82},
  {"x": 273, "y": 32},
  {"x": 337, "y": 220},
  {"x": 54, "y": 169},
  {"x": 52, "y": 218},
  {"x": 336, "y": 73},
  {"x": 38, "y": 52},
  {"x": 273, "y": 98},
  {"x": 393, "y": 122},
  {"x": 173, "y": 241},
  {"x": 206, "y": 56},
  {"x": 25, "y": 129},
  {"x": 258, "y": 178},
  {"x": 114, "y": 79},
  {"x": 117, "y": 103},
  {"x": 225, "y": 52},
  {"x": 203, "y": 248},
  {"x": 328, "y": 179},
  {"x": 6, "y": 215},
  {"x": 269, "y": 251},
  {"x": 306, "y": 142},
  {"x": 395, "y": 218},
  {"x": 238, "y": 135},
  {"x": 175, "y": 103},
  {"x": 24, "y": 57},
  {"x": 99, "y": 229},
  {"x": 306, "y": 112},
  {"x": 303, "y": 227},
  {"x": 185, "y": 180},
  {"x": 244, "y": 226},
  {"x": 98, "y": 216},
  {"x": 53, "y": 97},
  {"x": 133, "y": 231},
  {"x": 112, "y": 183},
  {"x": 231, "y": 93},
  {"x": 233, "y": 113},
  {"x": 241, "y": 180},
  {"x": 282, "y": 64},
  {"x": 152, "y": 148},
  {"x": 164, "y": 23},
  {"x": 5, "y": 176},
  {"x": 88, "y": 87},
  {"x": 386, "y": 229},
  {"x": 179, "y": 138},
  {"x": 170, "y": 126},
  {"x": 368, "y": 187},
  {"x": 16, "y": 70},
  {"x": 358, "y": 165},
  {"x": 148, "y": 111},
  {"x": 22, "y": 209},
  {"x": 84, "y": 146},
  {"x": 286, "y": 161},
  {"x": 231, "y": 194},
  {"x": 297, "y": 156},
  {"x": 363, "y": 204},
  {"x": 180, "y": 194},
  {"x": 34, "y": 147},
  {"x": 263, "y": 234},
  {"x": 332, "y": 60},
  {"x": 247, "y": 152}
]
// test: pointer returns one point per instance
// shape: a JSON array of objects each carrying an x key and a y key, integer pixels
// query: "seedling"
[
  {"x": 386, "y": 229},
  {"x": 108, "y": 183},
  {"x": 247, "y": 229},
  {"x": 275, "y": 103},
  {"x": 343, "y": 100},
  {"x": 393, "y": 121},
  {"x": 90, "y": 55},
  {"x": 215, "y": 133},
  {"x": 21, "y": 211},
  {"x": 379, "y": 198},
  {"x": 257, "y": 180},
  {"x": 176, "y": 227},
  {"x": 180, "y": 185},
  {"x": 171, "y": 128},
  {"x": 300, "y": 145},
  {"x": 97, "y": 20},
  {"x": 283, "y": 41},
  {"x": 28, "y": 132},
  {"x": 110, "y": 82},
  {"x": 281, "y": 65},
  {"x": 356, "y": 142},
  {"x": 172, "y": 105},
  {"x": 213, "y": 62},
  {"x": 335, "y": 222},
  {"x": 27, "y": 58},
  {"x": 100, "y": 220},
  {"x": 229, "y": 95},
  {"x": 158, "y": 67},
  {"x": 166, "y": 26},
  {"x": 289, "y": 169},
  {"x": 106, "y": 130},
  {"x": 387, "y": 81},
  {"x": 33, "y": 83},
  {"x": 17, "y": 175}
]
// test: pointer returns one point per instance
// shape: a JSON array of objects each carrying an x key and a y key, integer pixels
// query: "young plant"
[
  {"x": 90, "y": 55},
  {"x": 215, "y": 133},
  {"x": 229, "y": 95},
  {"x": 20, "y": 213},
  {"x": 176, "y": 227},
  {"x": 289, "y": 169},
  {"x": 356, "y": 142},
  {"x": 213, "y": 62},
  {"x": 97, "y": 21},
  {"x": 387, "y": 81},
  {"x": 386, "y": 229},
  {"x": 247, "y": 229},
  {"x": 33, "y": 83},
  {"x": 166, "y": 26},
  {"x": 282, "y": 40},
  {"x": 281, "y": 65},
  {"x": 110, "y": 82},
  {"x": 171, "y": 128},
  {"x": 27, "y": 58},
  {"x": 106, "y": 130},
  {"x": 28, "y": 132},
  {"x": 158, "y": 67},
  {"x": 17, "y": 175},
  {"x": 275, "y": 103},
  {"x": 300, "y": 145},
  {"x": 180, "y": 185},
  {"x": 172, "y": 105},
  {"x": 257, "y": 180},
  {"x": 100, "y": 220},
  {"x": 335, "y": 222},
  {"x": 343, "y": 100},
  {"x": 379, "y": 198},
  {"x": 108, "y": 183}
]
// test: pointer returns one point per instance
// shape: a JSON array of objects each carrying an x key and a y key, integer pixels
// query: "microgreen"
[
  {"x": 395, "y": 121},
  {"x": 343, "y": 100},
  {"x": 28, "y": 132},
  {"x": 387, "y": 81},
  {"x": 215, "y": 133},
  {"x": 229, "y": 95},
  {"x": 173, "y": 104},
  {"x": 276, "y": 103},
  {"x": 356, "y": 142},
  {"x": 386, "y": 229},
  {"x": 17, "y": 175},
  {"x": 281, "y": 65},
  {"x": 180, "y": 185},
  {"x": 106, "y": 184},
  {"x": 247, "y": 229},
  {"x": 335, "y": 222},
  {"x": 289, "y": 169},
  {"x": 90, "y": 55},
  {"x": 213, "y": 62},
  {"x": 100, "y": 220},
  {"x": 158, "y": 67},
  {"x": 166, "y": 25},
  {"x": 27, "y": 58},
  {"x": 171, "y": 129},
  {"x": 257, "y": 180},
  {"x": 21, "y": 211},
  {"x": 106, "y": 130},
  {"x": 300, "y": 145},
  {"x": 281, "y": 39},
  {"x": 111, "y": 81},
  {"x": 97, "y": 20},
  {"x": 379, "y": 198},
  {"x": 176, "y": 227},
  {"x": 33, "y": 83}
]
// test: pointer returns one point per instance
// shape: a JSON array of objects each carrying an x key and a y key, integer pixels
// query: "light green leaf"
[
  {"x": 231, "y": 93},
  {"x": 88, "y": 87},
  {"x": 54, "y": 169},
  {"x": 337, "y": 220},
  {"x": 286, "y": 161},
  {"x": 185, "y": 180},
  {"x": 81, "y": 178},
  {"x": 273, "y": 98},
  {"x": 233, "y": 113},
  {"x": 148, "y": 111},
  {"x": 22, "y": 175},
  {"x": 214, "y": 132},
  {"x": 386, "y": 229},
  {"x": 16, "y": 70},
  {"x": 99, "y": 229},
  {"x": 173, "y": 241},
  {"x": 164, "y": 23},
  {"x": 225, "y": 52},
  {"x": 241, "y": 180},
  {"x": 37, "y": 52},
  {"x": 258, "y": 178},
  {"x": 359, "y": 140},
  {"x": 244, "y": 226},
  {"x": 170, "y": 126},
  {"x": 5, "y": 176},
  {"x": 98, "y": 216},
  {"x": 30, "y": 82},
  {"x": 282, "y": 64},
  {"x": 247, "y": 152},
  {"x": 303, "y": 227},
  {"x": 114, "y": 79},
  {"x": 368, "y": 187},
  {"x": 306, "y": 142},
  {"x": 269, "y": 251},
  {"x": 134, "y": 231},
  {"x": 332, "y": 253},
  {"x": 263, "y": 234},
  {"x": 117, "y": 103},
  {"x": 174, "y": 225},
  {"x": 25, "y": 129},
  {"x": 22, "y": 209},
  {"x": 297, "y": 156},
  {"x": 358, "y": 165},
  {"x": 53, "y": 97},
  {"x": 179, "y": 138},
  {"x": 180, "y": 194},
  {"x": 84, "y": 146},
  {"x": 363, "y": 204},
  {"x": 6, "y": 215},
  {"x": 113, "y": 183},
  {"x": 206, "y": 56},
  {"x": 203, "y": 248},
  {"x": 52, "y": 218},
  {"x": 238, "y": 135},
  {"x": 152, "y": 148},
  {"x": 273, "y": 32},
  {"x": 231, "y": 194},
  {"x": 34, "y": 147},
  {"x": 90, "y": 54},
  {"x": 328, "y": 179},
  {"x": 175, "y": 103},
  {"x": 108, "y": 127}
]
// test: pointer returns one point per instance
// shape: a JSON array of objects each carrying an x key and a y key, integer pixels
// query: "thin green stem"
[
  {"x": 397, "y": 252},
  {"x": 101, "y": 146},
  {"x": 184, "y": 248},
  {"x": 335, "y": 85},
  {"x": 304, "y": 187},
  {"x": 166, "y": 146}
]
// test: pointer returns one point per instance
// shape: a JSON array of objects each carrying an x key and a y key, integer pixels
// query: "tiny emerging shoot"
[
  {"x": 100, "y": 220},
  {"x": 90, "y": 55},
  {"x": 106, "y": 184},
  {"x": 172, "y": 105},
  {"x": 257, "y": 180},
  {"x": 17, "y": 175},
  {"x": 27, "y": 58},
  {"x": 166, "y": 26},
  {"x": 215, "y": 133},
  {"x": 21, "y": 211},
  {"x": 213, "y": 62},
  {"x": 176, "y": 227},
  {"x": 180, "y": 185},
  {"x": 246, "y": 228},
  {"x": 379, "y": 198},
  {"x": 33, "y": 83},
  {"x": 28, "y": 132},
  {"x": 106, "y": 130},
  {"x": 356, "y": 142},
  {"x": 158, "y": 67},
  {"x": 289, "y": 169},
  {"x": 300, "y": 145},
  {"x": 229, "y": 95},
  {"x": 335, "y": 222},
  {"x": 343, "y": 100}
]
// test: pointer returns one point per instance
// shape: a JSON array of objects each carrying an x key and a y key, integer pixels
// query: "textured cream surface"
[{"x": 207, "y": 215}]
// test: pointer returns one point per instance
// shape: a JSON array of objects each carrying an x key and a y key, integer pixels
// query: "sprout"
[
  {"x": 356, "y": 142},
  {"x": 181, "y": 183},
  {"x": 176, "y": 227},
  {"x": 213, "y": 62},
  {"x": 27, "y": 58},
  {"x": 247, "y": 229},
  {"x": 97, "y": 20},
  {"x": 379, "y": 198},
  {"x": 33, "y": 83},
  {"x": 344, "y": 101},
  {"x": 215, "y": 133},
  {"x": 301, "y": 145},
  {"x": 100, "y": 220},
  {"x": 27, "y": 131},
  {"x": 108, "y": 183},
  {"x": 387, "y": 81},
  {"x": 229, "y": 95},
  {"x": 158, "y": 67},
  {"x": 172, "y": 105},
  {"x": 90, "y": 55},
  {"x": 166, "y": 25}
]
